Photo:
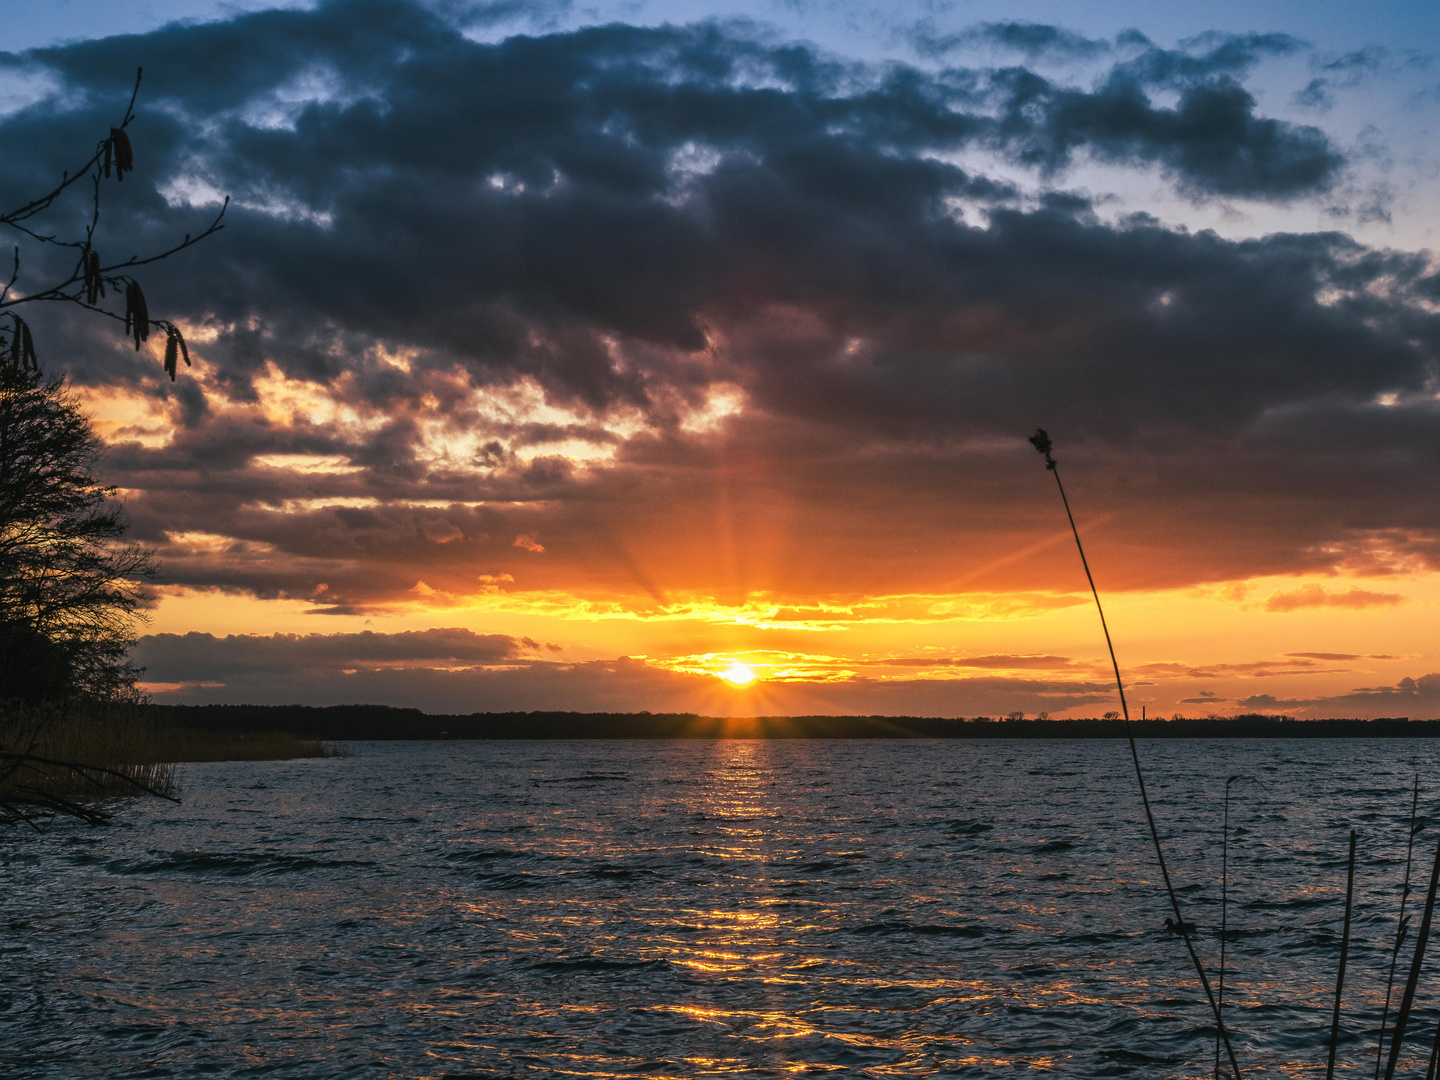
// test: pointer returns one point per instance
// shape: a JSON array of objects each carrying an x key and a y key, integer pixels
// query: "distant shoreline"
[{"x": 377, "y": 722}]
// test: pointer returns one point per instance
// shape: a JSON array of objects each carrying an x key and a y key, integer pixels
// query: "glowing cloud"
[{"x": 1313, "y": 596}]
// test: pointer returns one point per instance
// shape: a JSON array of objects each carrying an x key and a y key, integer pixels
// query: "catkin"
[
  {"x": 137, "y": 314},
  {"x": 124, "y": 154}
]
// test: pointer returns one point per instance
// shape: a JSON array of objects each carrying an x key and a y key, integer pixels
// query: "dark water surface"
[{"x": 688, "y": 909}]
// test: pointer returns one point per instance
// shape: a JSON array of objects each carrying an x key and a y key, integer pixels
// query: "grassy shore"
[{"x": 122, "y": 745}]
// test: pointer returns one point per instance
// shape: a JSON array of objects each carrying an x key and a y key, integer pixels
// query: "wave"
[
  {"x": 517, "y": 880},
  {"x": 233, "y": 864},
  {"x": 619, "y": 873},
  {"x": 583, "y": 778},
  {"x": 483, "y": 855},
  {"x": 595, "y": 963},
  {"x": 962, "y": 827},
  {"x": 899, "y": 926}
]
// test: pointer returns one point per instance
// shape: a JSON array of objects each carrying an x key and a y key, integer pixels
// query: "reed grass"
[
  {"x": 71, "y": 758},
  {"x": 1402, "y": 927},
  {"x": 1041, "y": 441},
  {"x": 1417, "y": 961},
  {"x": 189, "y": 745},
  {"x": 1344, "y": 953},
  {"x": 1224, "y": 915}
]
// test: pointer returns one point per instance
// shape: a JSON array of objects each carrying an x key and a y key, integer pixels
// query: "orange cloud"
[{"x": 1314, "y": 596}]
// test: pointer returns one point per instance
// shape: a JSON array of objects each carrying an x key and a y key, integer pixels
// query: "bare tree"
[
  {"x": 108, "y": 289},
  {"x": 70, "y": 587}
]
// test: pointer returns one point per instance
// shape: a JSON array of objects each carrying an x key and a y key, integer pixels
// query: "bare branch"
[
  {"x": 87, "y": 282},
  {"x": 44, "y": 202},
  {"x": 84, "y": 769},
  {"x": 14, "y": 276},
  {"x": 65, "y": 806},
  {"x": 57, "y": 292}
]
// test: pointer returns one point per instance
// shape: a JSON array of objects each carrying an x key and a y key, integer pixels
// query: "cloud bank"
[{"x": 655, "y": 317}]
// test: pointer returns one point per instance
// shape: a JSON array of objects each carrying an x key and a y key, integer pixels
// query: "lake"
[{"x": 691, "y": 909}]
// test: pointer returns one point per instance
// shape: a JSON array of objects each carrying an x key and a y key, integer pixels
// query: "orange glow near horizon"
[
  {"x": 1191, "y": 651},
  {"x": 741, "y": 585}
]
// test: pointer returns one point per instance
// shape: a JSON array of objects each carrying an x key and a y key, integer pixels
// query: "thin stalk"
[
  {"x": 1344, "y": 952},
  {"x": 1042, "y": 444},
  {"x": 1400, "y": 928},
  {"x": 1224, "y": 913},
  {"x": 1408, "y": 999},
  {"x": 1434, "y": 1055}
]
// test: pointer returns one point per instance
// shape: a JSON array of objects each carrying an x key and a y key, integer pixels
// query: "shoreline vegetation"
[
  {"x": 358, "y": 723},
  {"x": 69, "y": 757},
  {"x": 86, "y": 753}
]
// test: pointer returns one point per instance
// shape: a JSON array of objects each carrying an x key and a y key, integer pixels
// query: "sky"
[{"x": 663, "y": 356}]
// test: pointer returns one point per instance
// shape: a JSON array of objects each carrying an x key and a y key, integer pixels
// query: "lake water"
[{"x": 691, "y": 909}]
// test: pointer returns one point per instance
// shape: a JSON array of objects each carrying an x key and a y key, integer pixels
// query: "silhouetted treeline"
[{"x": 359, "y": 722}]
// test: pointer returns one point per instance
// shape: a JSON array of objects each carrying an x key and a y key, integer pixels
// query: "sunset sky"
[{"x": 598, "y": 356}]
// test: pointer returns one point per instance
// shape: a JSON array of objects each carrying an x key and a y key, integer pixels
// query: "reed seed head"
[{"x": 1041, "y": 441}]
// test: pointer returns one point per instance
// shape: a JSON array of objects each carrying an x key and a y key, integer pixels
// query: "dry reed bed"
[{"x": 64, "y": 758}]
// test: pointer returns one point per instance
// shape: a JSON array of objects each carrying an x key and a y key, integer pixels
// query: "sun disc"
[{"x": 739, "y": 675}]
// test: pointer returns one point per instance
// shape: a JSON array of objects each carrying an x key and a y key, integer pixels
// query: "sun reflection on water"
[{"x": 693, "y": 909}]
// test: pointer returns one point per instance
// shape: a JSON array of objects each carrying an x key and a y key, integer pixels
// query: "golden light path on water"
[{"x": 701, "y": 908}]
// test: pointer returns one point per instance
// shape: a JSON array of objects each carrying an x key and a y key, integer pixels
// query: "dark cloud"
[
  {"x": 196, "y": 657},
  {"x": 622, "y": 220},
  {"x": 1269, "y": 702},
  {"x": 1417, "y": 698},
  {"x": 720, "y": 174},
  {"x": 1315, "y": 95},
  {"x": 1200, "y": 58},
  {"x": 1031, "y": 40},
  {"x": 1211, "y": 142},
  {"x": 1342, "y": 656},
  {"x": 1348, "y": 70},
  {"x": 1207, "y": 697},
  {"x": 1359, "y": 62}
]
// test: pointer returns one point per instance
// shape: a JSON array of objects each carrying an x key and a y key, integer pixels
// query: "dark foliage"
[{"x": 70, "y": 586}]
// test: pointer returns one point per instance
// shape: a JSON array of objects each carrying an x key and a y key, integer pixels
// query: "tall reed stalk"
[
  {"x": 1041, "y": 441},
  {"x": 1402, "y": 928},
  {"x": 1224, "y": 914},
  {"x": 1344, "y": 953},
  {"x": 1416, "y": 962}
]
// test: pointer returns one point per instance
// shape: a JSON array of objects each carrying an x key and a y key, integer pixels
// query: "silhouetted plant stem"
[
  {"x": 1041, "y": 442},
  {"x": 1224, "y": 912},
  {"x": 1403, "y": 1016},
  {"x": 1400, "y": 928},
  {"x": 1434, "y": 1055},
  {"x": 1344, "y": 952}
]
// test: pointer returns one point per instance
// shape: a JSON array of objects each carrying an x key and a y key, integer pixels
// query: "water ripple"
[{"x": 689, "y": 909}]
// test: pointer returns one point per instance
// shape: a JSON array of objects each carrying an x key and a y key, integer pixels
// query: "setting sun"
[
  {"x": 582, "y": 512},
  {"x": 739, "y": 674}
]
